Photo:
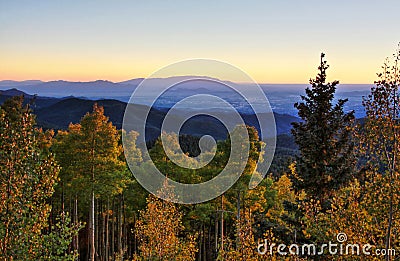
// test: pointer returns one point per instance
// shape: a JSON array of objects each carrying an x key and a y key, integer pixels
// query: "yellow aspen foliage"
[
  {"x": 245, "y": 247},
  {"x": 28, "y": 173},
  {"x": 159, "y": 230}
]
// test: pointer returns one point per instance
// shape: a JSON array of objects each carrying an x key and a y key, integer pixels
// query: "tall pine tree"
[{"x": 324, "y": 136}]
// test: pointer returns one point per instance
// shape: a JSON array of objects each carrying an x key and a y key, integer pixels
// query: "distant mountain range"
[
  {"x": 60, "y": 89},
  {"x": 10, "y": 83},
  {"x": 58, "y": 113},
  {"x": 281, "y": 96},
  {"x": 98, "y": 88}
]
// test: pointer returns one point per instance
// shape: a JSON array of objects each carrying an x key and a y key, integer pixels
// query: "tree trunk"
[
  {"x": 124, "y": 226},
  {"x": 392, "y": 170},
  {"x": 119, "y": 224},
  {"x": 107, "y": 230},
  {"x": 76, "y": 221},
  {"x": 204, "y": 243},
  {"x": 389, "y": 228},
  {"x": 222, "y": 222},
  {"x": 134, "y": 235},
  {"x": 103, "y": 231},
  {"x": 209, "y": 254},
  {"x": 92, "y": 248},
  {"x": 113, "y": 230},
  {"x": 96, "y": 225},
  {"x": 216, "y": 234}
]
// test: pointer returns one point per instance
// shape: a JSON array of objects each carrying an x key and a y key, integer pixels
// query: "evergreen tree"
[
  {"x": 324, "y": 137},
  {"x": 366, "y": 209}
]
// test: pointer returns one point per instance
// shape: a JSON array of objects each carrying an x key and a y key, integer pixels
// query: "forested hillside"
[{"x": 67, "y": 192}]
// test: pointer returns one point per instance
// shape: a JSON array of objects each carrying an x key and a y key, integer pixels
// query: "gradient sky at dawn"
[{"x": 273, "y": 41}]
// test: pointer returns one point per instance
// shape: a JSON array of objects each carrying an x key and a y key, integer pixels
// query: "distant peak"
[
  {"x": 13, "y": 92},
  {"x": 132, "y": 81},
  {"x": 95, "y": 81}
]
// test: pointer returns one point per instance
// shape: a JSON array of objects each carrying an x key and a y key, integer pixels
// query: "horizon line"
[{"x": 116, "y": 82}]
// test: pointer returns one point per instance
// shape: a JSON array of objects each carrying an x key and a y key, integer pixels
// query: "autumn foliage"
[{"x": 69, "y": 195}]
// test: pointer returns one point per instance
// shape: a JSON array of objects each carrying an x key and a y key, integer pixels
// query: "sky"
[{"x": 272, "y": 41}]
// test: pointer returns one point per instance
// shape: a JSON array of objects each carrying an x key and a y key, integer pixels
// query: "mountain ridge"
[{"x": 58, "y": 113}]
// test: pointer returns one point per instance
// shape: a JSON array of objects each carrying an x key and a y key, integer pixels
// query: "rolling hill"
[{"x": 58, "y": 113}]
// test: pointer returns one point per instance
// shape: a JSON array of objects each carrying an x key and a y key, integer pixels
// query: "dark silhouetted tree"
[{"x": 324, "y": 136}]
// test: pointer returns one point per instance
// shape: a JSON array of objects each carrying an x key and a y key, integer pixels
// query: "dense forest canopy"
[{"x": 70, "y": 195}]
